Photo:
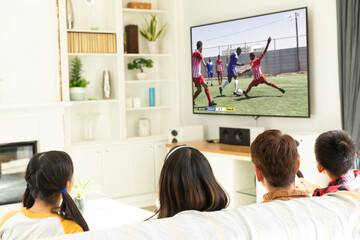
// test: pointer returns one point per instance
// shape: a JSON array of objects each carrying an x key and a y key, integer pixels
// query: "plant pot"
[
  {"x": 81, "y": 203},
  {"x": 77, "y": 94},
  {"x": 153, "y": 47},
  {"x": 141, "y": 76}
]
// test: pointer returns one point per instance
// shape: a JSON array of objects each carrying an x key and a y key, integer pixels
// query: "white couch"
[{"x": 334, "y": 216}]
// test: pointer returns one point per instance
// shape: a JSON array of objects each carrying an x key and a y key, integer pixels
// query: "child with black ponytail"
[{"x": 48, "y": 208}]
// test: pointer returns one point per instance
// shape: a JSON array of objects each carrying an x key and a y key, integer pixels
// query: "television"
[{"x": 253, "y": 66}]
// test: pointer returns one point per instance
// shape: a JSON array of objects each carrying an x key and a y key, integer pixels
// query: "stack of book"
[{"x": 84, "y": 42}]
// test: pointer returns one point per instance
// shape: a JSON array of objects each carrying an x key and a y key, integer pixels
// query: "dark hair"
[
  {"x": 198, "y": 44},
  {"x": 46, "y": 175},
  {"x": 252, "y": 55},
  {"x": 335, "y": 151},
  {"x": 276, "y": 155},
  {"x": 218, "y": 56},
  {"x": 187, "y": 182}
]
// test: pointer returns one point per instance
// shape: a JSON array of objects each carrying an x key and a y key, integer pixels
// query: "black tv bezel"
[{"x": 253, "y": 115}]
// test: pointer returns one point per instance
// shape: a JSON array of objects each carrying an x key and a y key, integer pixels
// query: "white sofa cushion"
[{"x": 334, "y": 216}]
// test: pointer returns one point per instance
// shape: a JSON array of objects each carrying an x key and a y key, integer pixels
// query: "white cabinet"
[
  {"x": 160, "y": 151},
  {"x": 142, "y": 168},
  {"x": 116, "y": 174},
  {"x": 88, "y": 165},
  {"x": 121, "y": 170}
]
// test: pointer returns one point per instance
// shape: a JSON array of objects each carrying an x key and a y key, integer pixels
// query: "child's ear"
[
  {"x": 259, "y": 175},
  {"x": 320, "y": 168},
  {"x": 298, "y": 167}
]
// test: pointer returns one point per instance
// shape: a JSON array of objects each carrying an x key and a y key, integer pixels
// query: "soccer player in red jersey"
[
  {"x": 219, "y": 69},
  {"x": 198, "y": 79},
  {"x": 259, "y": 78}
]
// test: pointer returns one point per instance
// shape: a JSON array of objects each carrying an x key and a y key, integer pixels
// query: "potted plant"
[
  {"x": 140, "y": 63},
  {"x": 77, "y": 84},
  {"x": 151, "y": 35},
  {"x": 81, "y": 189}
]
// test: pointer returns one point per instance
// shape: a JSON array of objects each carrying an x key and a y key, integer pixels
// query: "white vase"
[
  {"x": 141, "y": 76},
  {"x": 144, "y": 127},
  {"x": 77, "y": 94},
  {"x": 153, "y": 47}
]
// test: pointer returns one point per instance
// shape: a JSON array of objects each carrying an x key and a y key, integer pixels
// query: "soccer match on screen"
[{"x": 256, "y": 66}]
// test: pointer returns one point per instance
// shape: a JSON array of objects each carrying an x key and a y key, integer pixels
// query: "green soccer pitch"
[{"x": 263, "y": 99}]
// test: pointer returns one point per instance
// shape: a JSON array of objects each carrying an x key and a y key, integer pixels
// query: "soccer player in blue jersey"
[
  {"x": 231, "y": 68},
  {"x": 209, "y": 67}
]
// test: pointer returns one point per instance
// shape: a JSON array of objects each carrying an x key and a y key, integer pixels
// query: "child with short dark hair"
[
  {"x": 335, "y": 156},
  {"x": 48, "y": 209}
]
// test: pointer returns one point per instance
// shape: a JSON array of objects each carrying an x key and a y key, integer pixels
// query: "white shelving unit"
[{"x": 116, "y": 129}]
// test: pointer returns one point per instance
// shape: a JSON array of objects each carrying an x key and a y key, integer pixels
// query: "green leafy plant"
[
  {"x": 82, "y": 188},
  {"x": 140, "y": 63},
  {"x": 75, "y": 74},
  {"x": 150, "y": 32}
]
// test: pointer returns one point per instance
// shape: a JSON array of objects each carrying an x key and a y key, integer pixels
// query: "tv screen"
[{"x": 255, "y": 66}]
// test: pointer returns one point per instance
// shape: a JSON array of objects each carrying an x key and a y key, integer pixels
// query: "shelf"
[
  {"x": 91, "y": 31},
  {"x": 94, "y": 54},
  {"x": 101, "y": 101},
  {"x": 134, "y": 10},
  {"x": 154, "y": 137},
  {"x": 147, "y": 81},
  {"x": 147, "y": 108},
  {"x": 96, "y": 142},
  {"x": 248, "y": 191},
  {"x": 146, "y": 55}
]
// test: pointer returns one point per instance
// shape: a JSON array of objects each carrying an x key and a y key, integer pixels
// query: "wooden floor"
[{"x": 150, "y": 209}]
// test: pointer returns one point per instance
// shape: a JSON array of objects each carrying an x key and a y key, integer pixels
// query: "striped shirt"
[
  {"x": 219, "y": 65},
  {"x": 24, "y": 224},
  {"x": 256, "y": 67},
  {"x": 196, "y": 63}
]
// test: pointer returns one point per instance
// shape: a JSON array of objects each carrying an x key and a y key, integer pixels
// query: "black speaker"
[{"x": 235, "y": 136}]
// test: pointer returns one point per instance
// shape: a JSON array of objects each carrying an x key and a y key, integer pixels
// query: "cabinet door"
[
  {"x": 160, "y": 153},
  {"x": 88, "y": 165},
  {"x": 116, "y": 171},
  {"x": 142, "y": 167}
]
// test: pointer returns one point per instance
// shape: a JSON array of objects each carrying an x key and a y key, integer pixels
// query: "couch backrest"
[{"x": 334, "y": 216}]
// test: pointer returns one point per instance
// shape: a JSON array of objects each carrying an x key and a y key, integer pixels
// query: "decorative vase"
[
  {"x": 106, "y": 85},
  {"x": 69, "y": 15},
  {"x": 81, "y": 204},
  {"x": 89, "y": 121},
  {"x": 153, "y": 47},
  {"x": 77, "y": 94},
  {"x": 141, "y": 76},
  {"x": 144, "y": 127}
]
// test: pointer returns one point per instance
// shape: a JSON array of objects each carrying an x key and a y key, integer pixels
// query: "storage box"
[{"x": 139, "y": 5}]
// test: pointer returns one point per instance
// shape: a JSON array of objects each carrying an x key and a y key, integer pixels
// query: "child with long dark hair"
[
  {"x": 187, "y": 182},
  {"x": 48, "y": 209}
]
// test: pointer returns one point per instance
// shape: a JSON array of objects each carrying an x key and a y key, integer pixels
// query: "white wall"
[
  {"x": 324, "y": 87},
  {"x": 28, "y": 52}
]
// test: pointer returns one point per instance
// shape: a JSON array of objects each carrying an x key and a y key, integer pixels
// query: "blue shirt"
[
  {"x": 233, "y": 61},
  {"x": 209, "y": 66}
]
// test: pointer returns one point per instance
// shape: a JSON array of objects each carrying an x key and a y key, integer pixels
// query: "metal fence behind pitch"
[{"x": 276, "y": 61}]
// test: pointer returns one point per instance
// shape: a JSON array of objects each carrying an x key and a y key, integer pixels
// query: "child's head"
[
  {"x": 335, "y": 152},
  {"x": 218, "y": 57},
  {"x": 275, "y": 157},
  {"x": 199, "y": 45},
  {"x": 49, "y": 177},
  {"x": 187, "y": 182}
]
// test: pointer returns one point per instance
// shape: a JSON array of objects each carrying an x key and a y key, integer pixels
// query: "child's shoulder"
[
  {"x": 7, "y": 216},
  {"x": 70, "y": 226}
]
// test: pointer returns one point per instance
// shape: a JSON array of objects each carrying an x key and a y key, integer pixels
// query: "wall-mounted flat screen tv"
[{"x": 254, "y": 66}]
